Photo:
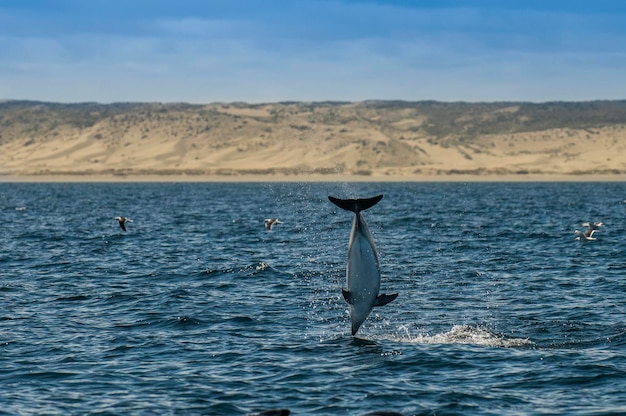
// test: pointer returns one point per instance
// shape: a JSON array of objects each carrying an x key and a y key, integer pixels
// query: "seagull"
[
  {"x": 585, "y": 236},
  {"x": 592, "y": 225},
  {"x": 123, "y": 221},
  {"x": 269, "y": 223}
]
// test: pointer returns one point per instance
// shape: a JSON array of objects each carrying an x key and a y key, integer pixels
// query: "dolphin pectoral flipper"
[
  {"x": 384, "y": 299},
  {"x": 355, "y": 205},
  {"x": 347, "y": 295}
]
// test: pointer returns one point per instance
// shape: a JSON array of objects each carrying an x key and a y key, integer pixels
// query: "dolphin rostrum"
[{"x": 362, "y": 274}]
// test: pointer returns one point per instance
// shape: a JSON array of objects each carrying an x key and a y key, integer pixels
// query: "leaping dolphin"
[{"x": 363, "y": 273}]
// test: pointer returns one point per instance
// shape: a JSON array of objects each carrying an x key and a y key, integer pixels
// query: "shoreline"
[
  {"x": 371, "y": 141},
  {"x": 89, "y": 178}
]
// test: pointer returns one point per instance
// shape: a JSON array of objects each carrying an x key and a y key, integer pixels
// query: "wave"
[
  {"x": 247, "y": 270},
  {"x": 466, "y": 334}
]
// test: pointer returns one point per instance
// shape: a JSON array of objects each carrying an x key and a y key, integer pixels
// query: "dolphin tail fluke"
[
  {"x": 355, "y": 205},
  {"x": 384, "y": 299}
]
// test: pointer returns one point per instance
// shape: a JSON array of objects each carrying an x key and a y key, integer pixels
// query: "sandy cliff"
[{"x": 377, "y": 139}]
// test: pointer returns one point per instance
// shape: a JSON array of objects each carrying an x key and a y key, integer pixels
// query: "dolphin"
[{"x": 363, "y": 273}]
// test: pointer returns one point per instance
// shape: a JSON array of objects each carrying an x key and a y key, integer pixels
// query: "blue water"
[{"x": 197, "y": 309}]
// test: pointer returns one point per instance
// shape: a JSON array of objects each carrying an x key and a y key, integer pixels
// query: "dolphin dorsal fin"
[{"x": 355, "y": 205}]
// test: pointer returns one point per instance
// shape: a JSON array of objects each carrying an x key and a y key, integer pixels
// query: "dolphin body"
[{"x": 362, "y": 274}]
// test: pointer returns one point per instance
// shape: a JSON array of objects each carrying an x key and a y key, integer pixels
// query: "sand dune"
[{"x": 378, "y": 140}]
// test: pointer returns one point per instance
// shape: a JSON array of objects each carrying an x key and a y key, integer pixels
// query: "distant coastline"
[
  {"x": 325, "y": 141},
  {"x": 95, "y": 178}
]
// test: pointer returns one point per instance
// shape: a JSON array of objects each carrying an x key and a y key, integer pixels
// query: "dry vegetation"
[{"x": 366, "y": 139}]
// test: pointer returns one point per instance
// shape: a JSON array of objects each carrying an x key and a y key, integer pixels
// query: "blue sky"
[{"x": 277, "y": 50}]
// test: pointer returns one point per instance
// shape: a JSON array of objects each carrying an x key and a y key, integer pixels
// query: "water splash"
[
  {"x": 262, "y": 266},
  {"x": 465, "y": 334}
]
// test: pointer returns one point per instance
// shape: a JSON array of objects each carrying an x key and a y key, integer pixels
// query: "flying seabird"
[
  {"x": 122, "y": 221},
  {"x": 587, "y": 235},
  {"x": 269, "y": 223},
  {"x": 592, "y": 225}
]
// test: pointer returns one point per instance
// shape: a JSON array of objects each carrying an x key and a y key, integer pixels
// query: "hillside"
[{"x": 366, "y": 139}]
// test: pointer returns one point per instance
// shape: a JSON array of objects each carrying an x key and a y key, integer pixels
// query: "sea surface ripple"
[{"x": 197, "y": 309}]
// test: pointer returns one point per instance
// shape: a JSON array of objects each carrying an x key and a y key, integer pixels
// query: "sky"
[{"x": 256, "y": 51}]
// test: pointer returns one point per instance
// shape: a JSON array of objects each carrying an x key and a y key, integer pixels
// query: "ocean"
[{"x": 197, "y": 309}]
